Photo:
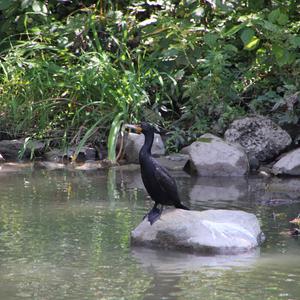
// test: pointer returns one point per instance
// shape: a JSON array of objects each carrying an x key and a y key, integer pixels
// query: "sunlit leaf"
[
  {"x": 198, "y": 13},
  {"x": 252, "y": 44},
  {"x": 155, "y": 3},
  {"x": 25, "y": 3},
  {"x": 213, "y": 3},
  {"x": 147, "y": 22},
  {"x": 234, "y": 29},
  {"x": 36, "y": 6},
  {"x": 189, "y": 2},
  {"x": 179, "y": 74}
]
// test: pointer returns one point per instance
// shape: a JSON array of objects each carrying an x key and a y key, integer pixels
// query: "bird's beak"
[{"x": 134, "y": 128}]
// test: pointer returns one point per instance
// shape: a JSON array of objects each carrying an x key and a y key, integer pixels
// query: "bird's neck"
[{"x": 149, "y": 137}]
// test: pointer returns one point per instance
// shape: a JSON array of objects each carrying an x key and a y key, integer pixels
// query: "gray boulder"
[
  {"x": 289, "y": 164},
  {"x": 205, "y": 232},
  {"x": 10, "y": 149},
  {"x": 211, "y": 156},
  {"x": 134, "y": 143},
  {"x": 261, "y": 138},
  {"x": 174, "y": 162}
]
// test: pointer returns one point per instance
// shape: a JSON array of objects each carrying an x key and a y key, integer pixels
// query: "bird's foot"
[{"x": 153, "y": 215}]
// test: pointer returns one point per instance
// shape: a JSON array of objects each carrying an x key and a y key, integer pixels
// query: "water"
[{"x": 66, "y": 235}]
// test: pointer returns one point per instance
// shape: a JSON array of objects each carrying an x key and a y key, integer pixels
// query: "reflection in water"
[
  {"x": 206, "y": 190},
  {"x": 66, "y": 235},
  {"x": 177, "y": 262}
]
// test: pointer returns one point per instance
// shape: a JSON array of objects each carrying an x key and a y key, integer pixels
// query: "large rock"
[
  {"x": 174, "y": 162},
  {"x": 134, "y": 143},
  {"x": 289, "y": 164},
  {"x": 206, "y": 232},
  {"x": 211, "y": 156},
  {"x": 11, "y": 149},
  {"x": 261, "y": 138}
]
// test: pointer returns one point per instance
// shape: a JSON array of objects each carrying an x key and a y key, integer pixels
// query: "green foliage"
[
  {"x": 52, "y": 87},
  {"x": 69, "y": 69}
]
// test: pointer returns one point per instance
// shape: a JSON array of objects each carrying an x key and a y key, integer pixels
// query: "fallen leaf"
[{"x": 295, "y": 221}]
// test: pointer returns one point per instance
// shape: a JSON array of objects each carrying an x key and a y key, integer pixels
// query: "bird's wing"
[{"x": 165, "y": 181}]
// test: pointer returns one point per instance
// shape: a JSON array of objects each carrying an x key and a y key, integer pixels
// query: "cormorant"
[{"x": 158, "y": 182}]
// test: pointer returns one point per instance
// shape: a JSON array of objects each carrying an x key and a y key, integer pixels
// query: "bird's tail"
[{"x": 181, "y": 206}]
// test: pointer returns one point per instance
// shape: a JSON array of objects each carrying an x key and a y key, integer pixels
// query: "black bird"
[{"x": 158, "y": 182}]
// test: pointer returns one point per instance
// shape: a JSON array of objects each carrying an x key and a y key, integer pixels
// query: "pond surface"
[{"x": 66, "y": 235}]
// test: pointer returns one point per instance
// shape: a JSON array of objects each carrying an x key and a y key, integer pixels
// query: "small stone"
[
  {"x": 89, "y": 166},
  {"x": 10, "y": 149},
  {"x": 49, "y": 165}
]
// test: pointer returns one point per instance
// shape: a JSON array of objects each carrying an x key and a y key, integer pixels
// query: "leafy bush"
[
  {"x": 71, "y": 67},
  {"x": 59, "y": 82}
]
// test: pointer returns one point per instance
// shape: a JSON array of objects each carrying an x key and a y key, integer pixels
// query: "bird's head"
[{"x": 143, "y": 127}]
